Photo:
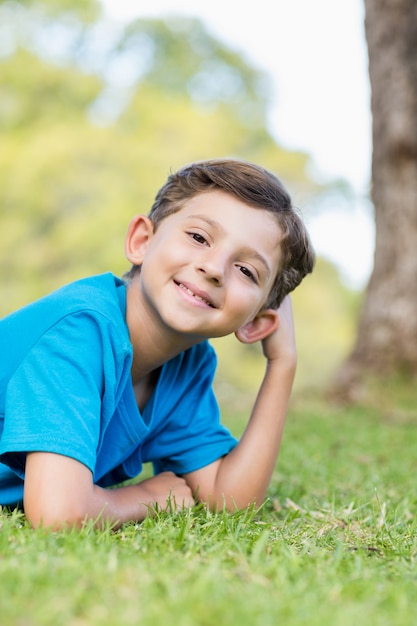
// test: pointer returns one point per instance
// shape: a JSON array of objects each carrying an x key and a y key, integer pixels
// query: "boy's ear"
[
  {"x": 264, "y": 324},
  {"x": 138, "y": 236}
]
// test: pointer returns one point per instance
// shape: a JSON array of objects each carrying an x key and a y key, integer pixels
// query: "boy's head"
[{"x": 256, "y": 187}]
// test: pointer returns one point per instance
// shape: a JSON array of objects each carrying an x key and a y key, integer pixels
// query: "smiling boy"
[{"x": 104, "y": 374}]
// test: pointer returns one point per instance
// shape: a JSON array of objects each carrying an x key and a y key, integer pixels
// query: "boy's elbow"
[{"x": 54, "y": 515}]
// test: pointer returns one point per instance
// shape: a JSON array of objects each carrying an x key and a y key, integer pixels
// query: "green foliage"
[
  {"x": 35, "y": 94},
  {"x": 85, "y": 10},
  {"x": 325, "y": 314},
  {"x": 335, "y": 544},
  {"x": 183, "y": 58}
]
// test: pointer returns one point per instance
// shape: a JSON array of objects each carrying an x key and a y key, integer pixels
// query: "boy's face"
[{"x": 208, "y": 269}]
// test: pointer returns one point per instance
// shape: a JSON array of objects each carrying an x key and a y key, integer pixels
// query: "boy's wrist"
[{"x": 282, "y": 363}]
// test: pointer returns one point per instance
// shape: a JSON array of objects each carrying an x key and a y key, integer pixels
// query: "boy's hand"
[
  {"x": 59, "y": 492},
  {"x": 281, "y": 343},
  {"x": 166, "y": 491}
]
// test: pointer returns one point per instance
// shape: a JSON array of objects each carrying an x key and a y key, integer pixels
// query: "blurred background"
[{"x": 100, "y": 101}]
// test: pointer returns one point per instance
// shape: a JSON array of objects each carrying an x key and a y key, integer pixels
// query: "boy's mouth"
[{"x": 197, "y": 296}]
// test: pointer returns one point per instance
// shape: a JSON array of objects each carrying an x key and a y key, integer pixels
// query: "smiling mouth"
[{"x": 195, "y": 295}]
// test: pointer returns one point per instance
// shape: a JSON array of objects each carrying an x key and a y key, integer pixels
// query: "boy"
[{"x": 105, "y": 374}]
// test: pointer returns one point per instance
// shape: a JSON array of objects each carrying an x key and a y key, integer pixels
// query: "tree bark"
[{"x": 386, "y": 340}]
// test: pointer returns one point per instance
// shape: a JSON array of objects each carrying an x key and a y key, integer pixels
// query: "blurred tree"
[
  {"x": 85, "y": 9},
  {"x": 386, "y": 341}
]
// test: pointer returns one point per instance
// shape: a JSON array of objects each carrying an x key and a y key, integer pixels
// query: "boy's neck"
[{"x": 144, "y": 388}]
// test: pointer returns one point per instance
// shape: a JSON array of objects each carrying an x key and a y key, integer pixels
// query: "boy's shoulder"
[
  {"x": 100, "y": 292},
  {"x": 102, "y": 297}
]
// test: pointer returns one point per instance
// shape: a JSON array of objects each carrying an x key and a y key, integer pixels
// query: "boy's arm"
[
  {"x": 59, "y": 492},
  {"x": 242, "y": 477}
]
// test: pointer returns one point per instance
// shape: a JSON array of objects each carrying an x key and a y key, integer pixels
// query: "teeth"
[{"x": 193, "y": 294}]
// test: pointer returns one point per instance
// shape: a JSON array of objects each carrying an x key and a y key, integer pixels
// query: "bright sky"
[{"x": 315, "y": 54}]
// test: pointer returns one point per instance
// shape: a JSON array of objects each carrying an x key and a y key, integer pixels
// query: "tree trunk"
[{"x": 386, "y": 341}]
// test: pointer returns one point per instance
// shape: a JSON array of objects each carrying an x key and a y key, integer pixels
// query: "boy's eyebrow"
[{"x": 252, "y": 251}]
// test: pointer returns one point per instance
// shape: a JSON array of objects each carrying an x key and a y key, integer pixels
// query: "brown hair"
[{"x": 258, "y": 188}]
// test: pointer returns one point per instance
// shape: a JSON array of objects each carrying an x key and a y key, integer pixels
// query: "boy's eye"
[
  {"x": 247, "y": 273},
  {"x": 197, "y": 237}
]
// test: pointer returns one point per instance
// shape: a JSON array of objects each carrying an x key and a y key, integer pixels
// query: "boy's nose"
[{"x": 213, "y": 269}]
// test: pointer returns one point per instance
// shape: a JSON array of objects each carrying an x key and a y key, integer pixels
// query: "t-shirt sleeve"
[
  {"x": 53, "y": 400},
  {"x": 190, "y": 434}
]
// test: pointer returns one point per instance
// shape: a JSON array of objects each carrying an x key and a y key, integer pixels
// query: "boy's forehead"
[{"x": 216, "y": 206}]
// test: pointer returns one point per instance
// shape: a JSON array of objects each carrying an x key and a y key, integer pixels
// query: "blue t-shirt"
[{"x": 65, "y": 387}]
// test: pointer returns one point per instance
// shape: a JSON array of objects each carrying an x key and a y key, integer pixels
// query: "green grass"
[{"x": 335, "y": 544}]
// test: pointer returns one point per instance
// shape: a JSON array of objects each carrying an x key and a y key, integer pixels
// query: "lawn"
[{"x": 334, "y": 545}]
